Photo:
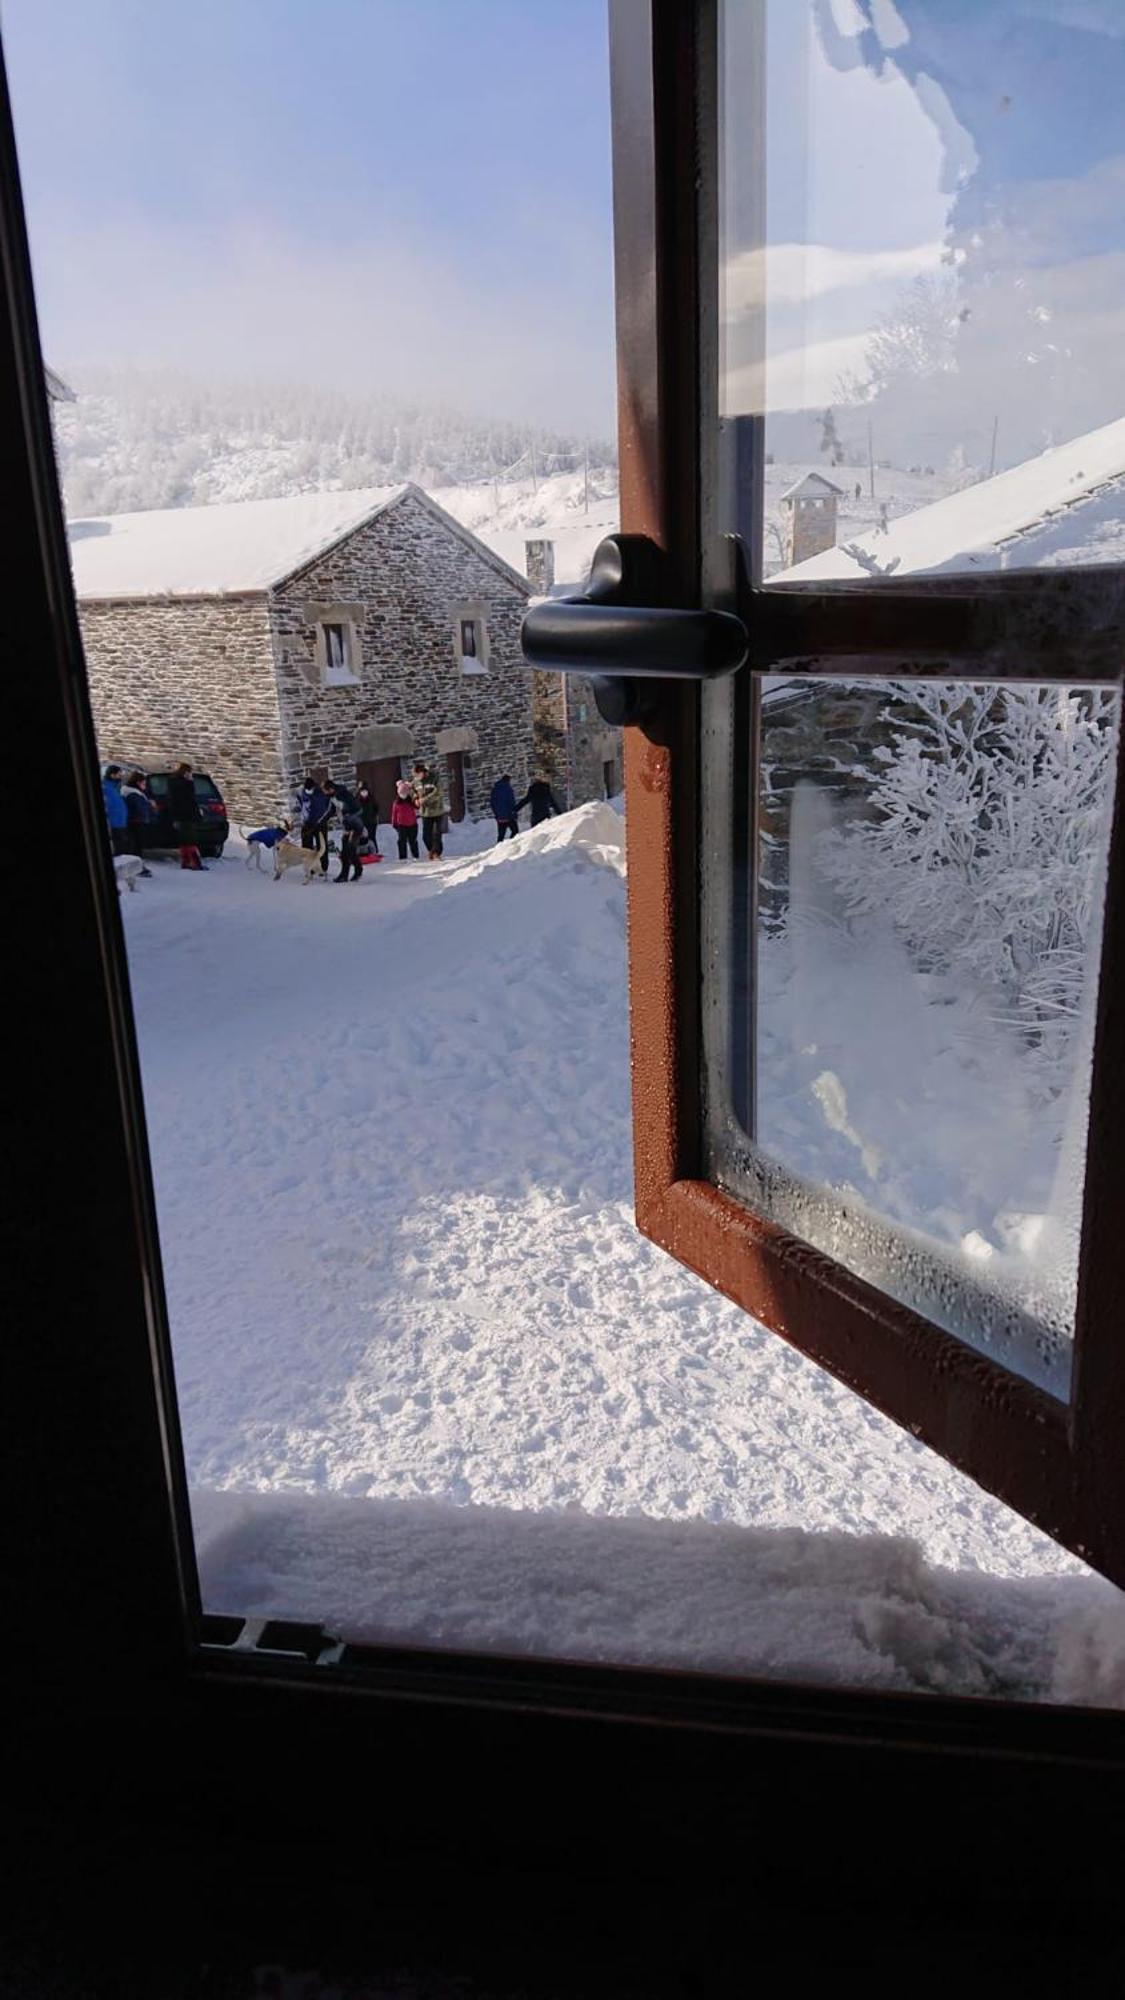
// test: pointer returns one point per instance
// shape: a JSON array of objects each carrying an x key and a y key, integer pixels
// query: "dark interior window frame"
[{"x": 127, "y": 1651}]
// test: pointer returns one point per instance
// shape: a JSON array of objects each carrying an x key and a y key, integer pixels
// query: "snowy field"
[{"x": 434, "y": 1385}]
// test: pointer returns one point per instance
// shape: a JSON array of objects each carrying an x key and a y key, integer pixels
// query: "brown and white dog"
[{"x": 290, "y": 854}]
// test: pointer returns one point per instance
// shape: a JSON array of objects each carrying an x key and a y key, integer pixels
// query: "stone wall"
[
  {"x": 572, "y": 743},
  {"x": 405, "y": 574},
  {"x": 593, "y": 745},
  {"x": 189, "y": 677}
]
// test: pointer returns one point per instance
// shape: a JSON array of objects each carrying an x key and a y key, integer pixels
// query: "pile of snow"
[
  {"x": 592, "y": 833},
  {"x": 392, "y": 1156},
  {"x": 827, "y": 1609}
]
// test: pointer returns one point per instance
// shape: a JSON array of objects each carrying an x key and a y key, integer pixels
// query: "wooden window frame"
[{"x": 1059, "y": 1464}]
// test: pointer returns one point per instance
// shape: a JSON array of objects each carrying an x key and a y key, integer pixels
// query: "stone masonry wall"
[
  {"x": 572, "y": 743},
  {"x": 593, "y": 745},
  {"x": 189, "y": 677},
  {"x": 409, "y": 573}
]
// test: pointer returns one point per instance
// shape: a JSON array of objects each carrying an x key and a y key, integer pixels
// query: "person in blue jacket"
[
  {"x": 502, "y": 800},
  {"x": 116, "y": 810}
]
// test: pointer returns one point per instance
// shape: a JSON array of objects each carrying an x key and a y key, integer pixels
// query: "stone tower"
[{"x": 812, "y": 505}]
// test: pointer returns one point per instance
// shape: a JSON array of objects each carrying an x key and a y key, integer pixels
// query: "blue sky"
[{"x": 402, "y": 194}]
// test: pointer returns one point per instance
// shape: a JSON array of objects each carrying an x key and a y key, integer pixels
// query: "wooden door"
[
  {"x": 380, "y": 775},
  {"x": 455, "y": 765}
]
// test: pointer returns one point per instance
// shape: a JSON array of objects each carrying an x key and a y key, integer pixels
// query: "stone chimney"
[
  {"x": 812, "y": 505},
  {"x": 539, "y": 567}
]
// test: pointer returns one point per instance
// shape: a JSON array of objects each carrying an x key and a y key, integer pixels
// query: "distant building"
[
  {"x": 574, "y": 748},
  {"x": 812, "y": 504},
  {"x": 335, "y": 632}
]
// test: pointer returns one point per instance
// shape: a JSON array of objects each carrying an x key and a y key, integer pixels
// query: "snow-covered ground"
[{"x": 435, "y": 1386}]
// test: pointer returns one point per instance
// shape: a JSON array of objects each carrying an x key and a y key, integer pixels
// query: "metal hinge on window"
[{"x": 277, "y": 1638}]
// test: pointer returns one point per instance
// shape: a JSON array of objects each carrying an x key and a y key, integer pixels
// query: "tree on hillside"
[{"x": 830, "y": 438}]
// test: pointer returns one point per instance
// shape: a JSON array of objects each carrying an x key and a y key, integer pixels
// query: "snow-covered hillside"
[
  {"x": 134, "y": 441},
  {"x": 435, "y": 1386}
]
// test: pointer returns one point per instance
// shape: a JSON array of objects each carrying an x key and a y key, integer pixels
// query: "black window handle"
[{"x": 624, "y": 642}]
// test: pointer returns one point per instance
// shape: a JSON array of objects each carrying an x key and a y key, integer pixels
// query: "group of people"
[
  {"x": 324, "y": 805},
  {"x": 506, "y": 808},
  {"x": 129, "y": 810},
  {"x": 418, "y": 801}
]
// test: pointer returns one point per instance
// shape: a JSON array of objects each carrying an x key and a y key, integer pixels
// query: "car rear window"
[{"x": 205, "y": 788}]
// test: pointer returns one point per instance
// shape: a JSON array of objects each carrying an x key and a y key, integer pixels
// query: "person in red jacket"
[{"x": 404, "y": 819}]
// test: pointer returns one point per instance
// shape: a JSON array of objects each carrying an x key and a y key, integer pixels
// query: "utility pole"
[
  {"x": 992, "y": 454},
  {"x": 586, "y": 474},
  {"x": 870, "y": 461}
]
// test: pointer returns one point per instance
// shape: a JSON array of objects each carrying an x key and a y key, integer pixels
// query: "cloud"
[
  {"x": 383, "y": 314},
  {"x": 794, "y": 273},
  {"x": 800, "y": 378}
]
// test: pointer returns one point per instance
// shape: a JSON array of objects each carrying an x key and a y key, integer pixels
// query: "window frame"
[
  {"x": 472, "y": 612},
  {"x": 346, "y": 618},
  {"x": 138, "y": 1694},
  {"x": 1057, "y": 1463}
]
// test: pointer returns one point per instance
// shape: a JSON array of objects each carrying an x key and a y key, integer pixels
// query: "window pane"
[
  {"x": 930, "y": 862},
  {"x": 928, "y": 304},
  {"x": 334, "y": 648}
]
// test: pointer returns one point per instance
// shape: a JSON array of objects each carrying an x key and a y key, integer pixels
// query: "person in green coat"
[{"x": 431, "y": 809}]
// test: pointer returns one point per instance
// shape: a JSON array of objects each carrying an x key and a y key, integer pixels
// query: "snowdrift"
[
  {"x": 828, "y": 1609},
  {"x": 593, "y": 834}
]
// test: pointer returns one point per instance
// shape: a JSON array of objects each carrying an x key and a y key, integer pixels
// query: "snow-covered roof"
[
  {"x": 814, "y": 483},
  {"x": 248, "y": 545},
  {"x": 1066, "y": 506}
]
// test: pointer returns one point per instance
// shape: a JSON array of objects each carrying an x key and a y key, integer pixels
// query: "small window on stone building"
[
  {"x": 337, "y": 652},
  {"x": 470, "y": 641}
]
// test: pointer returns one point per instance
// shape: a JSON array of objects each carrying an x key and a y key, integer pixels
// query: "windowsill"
[
  {"x": 473, "y": 667},
  {"x": 341, "y": 681}
]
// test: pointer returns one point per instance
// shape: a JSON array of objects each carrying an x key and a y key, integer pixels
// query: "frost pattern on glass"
[
  {"x": 930, "y": 880},
  {"x": 929, "y": 309}
]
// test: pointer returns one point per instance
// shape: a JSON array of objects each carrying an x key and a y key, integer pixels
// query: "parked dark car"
[{"x": 210, "y": 833}]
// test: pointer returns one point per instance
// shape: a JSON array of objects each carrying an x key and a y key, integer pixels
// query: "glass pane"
[
  {"x": 930, "y": 862},
  {"x": 928, "y": 304}
]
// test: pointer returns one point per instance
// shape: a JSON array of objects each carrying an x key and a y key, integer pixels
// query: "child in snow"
[{"x": 404, "y": 819}]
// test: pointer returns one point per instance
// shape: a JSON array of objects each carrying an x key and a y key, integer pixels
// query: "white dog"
[
  {"x": 290, "y": 854},
  {"x": 127, "y": 867}
]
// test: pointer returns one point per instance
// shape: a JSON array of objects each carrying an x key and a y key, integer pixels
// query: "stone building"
[
  {"x": 574, "y": 748},
  {"x": 812, "y": 506},
  {"x": 328, "y": 632}
]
